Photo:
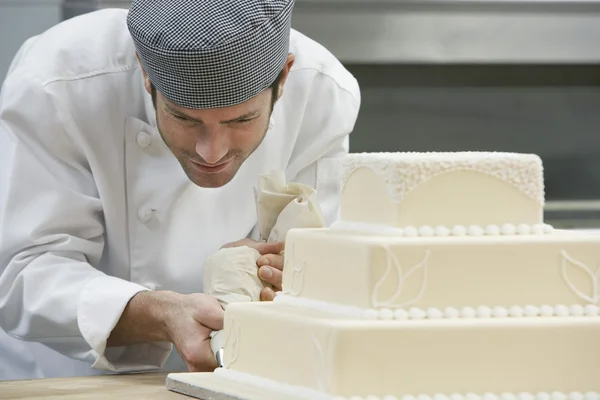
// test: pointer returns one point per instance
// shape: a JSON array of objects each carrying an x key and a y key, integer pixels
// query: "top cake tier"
[{"x": 443, "y": 189}]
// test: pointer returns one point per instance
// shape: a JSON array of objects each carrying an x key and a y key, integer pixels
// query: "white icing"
[
  {"x": 524, "y": 229},
  {"x": 508, "y": 229},
  {"x": 475, "y": 230},
  {"x": 451, "y": 313},
  {"x": 546, "y": 311},
  {"x": 411, "y": 231},
  {"x": 426, "y": 231},
  {"x": 526, "y": 396},
  {"x": 500, "y": 312},
  {"x": 323, "y": 368},
  {"x": 482, "y": 312},
  {"x": 538, "y": 229},
  {"x": 459, "y": 230},
  {"x": 434, "y": 313},
  {"x": 404, "y": 172},
  {"x": 515, "y": 311},
  {"x": 386, "y": 313},
  {"x": 440, "y": 231},
  {"x": 468, "y": 312},
  {"x": 401, "y": 314},
  {"x": 569, "y": 263},
  {"x": 591, "y": 310},
  {"x": 561, "y": 311},
  {"x": 233, "y": 335},
  {"x": 284, "y": 389},
  {"x": 531, "y": 311},
  {"x": 297, "y": 280},
  {"x": 492, "y": 230},
  {"x": 416, "y": 313},
  {"x": 576, "y": 310},
  {"x": 392, "y": 264},
  {"x": 558, "y": 396}
]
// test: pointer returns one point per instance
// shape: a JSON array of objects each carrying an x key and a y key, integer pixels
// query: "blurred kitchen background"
[{"x": 446, "y": 75}]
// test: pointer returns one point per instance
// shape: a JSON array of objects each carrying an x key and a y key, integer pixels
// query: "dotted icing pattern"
[
  {"x": 404, "y": 172},
  {"x": 417, "y": 313}
]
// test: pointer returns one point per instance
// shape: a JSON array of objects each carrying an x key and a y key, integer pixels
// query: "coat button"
[
  {"x": 145, "y": 214},
  {"x": 143, "y": 140}
]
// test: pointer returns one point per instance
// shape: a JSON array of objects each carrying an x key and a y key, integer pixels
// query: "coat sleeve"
[
  {"x": 52, "y": 238},
  {"x": 330, "y": 114}
]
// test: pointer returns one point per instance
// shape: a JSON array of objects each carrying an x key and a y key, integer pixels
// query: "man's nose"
[{"x": 212, "y": 145}]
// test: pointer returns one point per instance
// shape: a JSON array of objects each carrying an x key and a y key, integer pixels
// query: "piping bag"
[{"x": 231, "y": 274}]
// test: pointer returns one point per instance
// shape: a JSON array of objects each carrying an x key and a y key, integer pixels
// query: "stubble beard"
[{"x": 237, "y": 156}]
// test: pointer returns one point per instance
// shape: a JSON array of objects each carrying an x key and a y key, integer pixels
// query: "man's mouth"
[{"x": 210, "y": 168}]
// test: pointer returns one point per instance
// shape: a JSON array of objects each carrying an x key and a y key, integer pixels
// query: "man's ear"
[
  {"x": 147, "y": 83},
  {"x": 284, "y": 73}
]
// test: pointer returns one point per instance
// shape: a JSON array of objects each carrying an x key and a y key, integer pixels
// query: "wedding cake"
[{"x": 440, "y": 280}]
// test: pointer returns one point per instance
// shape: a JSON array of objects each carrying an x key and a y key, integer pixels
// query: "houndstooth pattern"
[{"x": 211, "y": 53}]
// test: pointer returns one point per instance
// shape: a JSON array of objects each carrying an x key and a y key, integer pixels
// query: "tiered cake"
[{"x": 439, "y": 280}]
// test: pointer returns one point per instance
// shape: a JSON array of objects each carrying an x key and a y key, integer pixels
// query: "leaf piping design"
[
  {"x": 296, "y": 285},
  {"x": 568, "y": 260},
  {"x": 235, "y": 345},
  {"x": 393, "y": 263}
]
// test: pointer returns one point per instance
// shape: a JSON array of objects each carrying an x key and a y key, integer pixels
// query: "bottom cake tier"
[{"x": 360, "y": 358}]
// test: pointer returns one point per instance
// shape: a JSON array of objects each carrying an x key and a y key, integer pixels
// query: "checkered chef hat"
[{"x": 211, "y": 53}]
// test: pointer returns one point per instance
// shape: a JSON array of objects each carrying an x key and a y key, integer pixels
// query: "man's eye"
[{"x": 179, "y": 117}]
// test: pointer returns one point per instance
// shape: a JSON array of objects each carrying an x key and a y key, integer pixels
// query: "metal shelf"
[{"x": 454, "y": 31}]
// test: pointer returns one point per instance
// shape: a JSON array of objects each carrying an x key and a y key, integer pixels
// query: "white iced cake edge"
[
  {"x": 404, "y": 172},
  {"x": 443, "y": 231},
  {"x": 304, "y": 393},
  {"x": 416, "y": 313}
]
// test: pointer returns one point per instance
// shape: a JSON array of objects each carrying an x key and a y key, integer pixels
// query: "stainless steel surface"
[{"x": 454, "y": 31}]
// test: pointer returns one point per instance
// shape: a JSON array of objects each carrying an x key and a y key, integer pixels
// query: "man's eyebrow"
[
  {"x": 248, "y": 115},
  {"x": 180, "y": 114}
]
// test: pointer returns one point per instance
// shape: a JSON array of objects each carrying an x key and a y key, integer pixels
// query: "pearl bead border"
[
  {"x": 483, "y": 312},
  {"x": 443, "y": 231},
  {"x": 416, "y": 313}
]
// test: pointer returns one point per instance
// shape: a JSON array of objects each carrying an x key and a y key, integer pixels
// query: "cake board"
[{"x": 209, "y": 386}]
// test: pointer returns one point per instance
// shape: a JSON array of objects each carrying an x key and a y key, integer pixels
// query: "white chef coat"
[{"x": 94, "y": 208}]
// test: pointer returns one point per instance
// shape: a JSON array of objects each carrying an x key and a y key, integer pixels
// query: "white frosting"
[
  {"x": 305, "y": 393},
  {"x": 475, "y": 230},
  {"x": 593, "y": 292},
  {"x": 393, "y": 265},
  {"x": 442, "y": 231},
  {"x": 484, "y": 312},
  {"x": 426, "y": 231},
  {"x": 508, "y": 229},
  {"x": 404, "y": 172}
]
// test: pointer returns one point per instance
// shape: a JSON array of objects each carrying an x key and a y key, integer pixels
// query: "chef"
[{"x": 132, "y": 142}]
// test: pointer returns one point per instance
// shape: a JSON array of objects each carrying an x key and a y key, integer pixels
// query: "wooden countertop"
[{"x": 149, "y": 386}]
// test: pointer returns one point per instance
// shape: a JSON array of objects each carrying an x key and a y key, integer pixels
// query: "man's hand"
[
  {"x": 189, "y": 326},
  {"x": 270, "y": 264},
  {"x": 164, "y": 316}
]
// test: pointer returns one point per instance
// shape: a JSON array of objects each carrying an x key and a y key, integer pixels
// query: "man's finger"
[
  {"x": 267, "y": 294},
  {"x": 272, "y": 260},
  {"x": 261, "y": 247},
  {"x": 271, "y": 275},
  {"x": 268, "y": 248}
]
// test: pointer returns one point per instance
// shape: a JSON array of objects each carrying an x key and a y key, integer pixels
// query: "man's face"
[{"x": 212, "y": 144}]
